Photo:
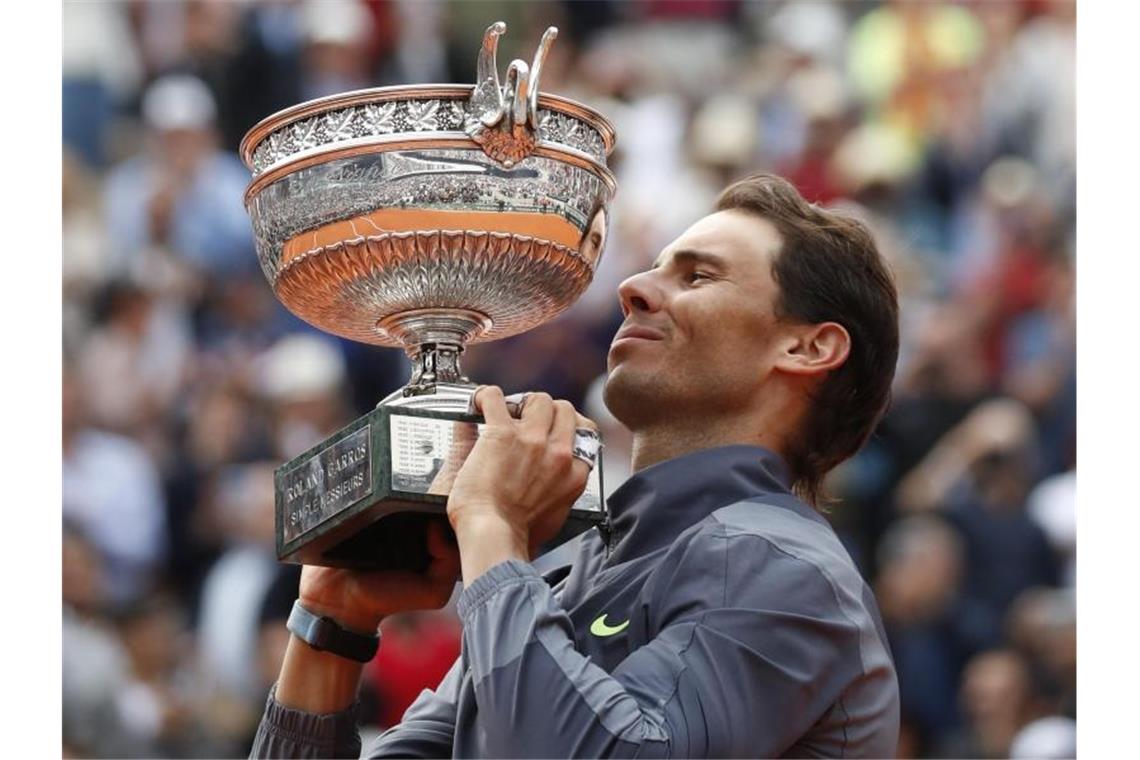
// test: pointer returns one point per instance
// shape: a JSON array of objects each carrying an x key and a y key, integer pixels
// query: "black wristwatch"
[{"x": 326, "y": 635}]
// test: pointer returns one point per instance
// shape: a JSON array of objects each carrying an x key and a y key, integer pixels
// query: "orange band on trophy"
[{"x": 550, "y": 227}]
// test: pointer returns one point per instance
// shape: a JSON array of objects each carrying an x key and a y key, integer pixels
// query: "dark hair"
[{"x": 829, "y": 269}]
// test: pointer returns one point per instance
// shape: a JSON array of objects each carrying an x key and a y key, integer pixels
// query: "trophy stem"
[
  {"x": 434, "y": 363},
  {"x": 433, "y": 340}
]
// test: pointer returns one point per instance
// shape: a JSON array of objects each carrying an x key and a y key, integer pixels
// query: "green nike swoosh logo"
[{"x": 599, "y": 627}]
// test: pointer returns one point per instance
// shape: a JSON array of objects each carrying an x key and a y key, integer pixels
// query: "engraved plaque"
[
  {"x": 427, "y": 453},
  {"x": 422, "y": 450},
  {"x": 325, "y": 483}
]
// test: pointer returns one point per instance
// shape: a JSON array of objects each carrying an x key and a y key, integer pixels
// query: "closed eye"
[{"x": 696, "y": 276}]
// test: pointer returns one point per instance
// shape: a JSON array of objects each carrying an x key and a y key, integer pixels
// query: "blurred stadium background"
[{"x": 949, "y": 126}]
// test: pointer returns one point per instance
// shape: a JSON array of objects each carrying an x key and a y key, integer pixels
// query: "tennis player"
[{"x": 717, "y": 615}]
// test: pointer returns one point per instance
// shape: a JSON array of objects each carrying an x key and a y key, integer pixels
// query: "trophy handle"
[
  {"x": 518, "y": 84},
  {"x": 512, "y": 141},
  {"x": 487, "y": 98},
  {"x": 536, "y": 71}
]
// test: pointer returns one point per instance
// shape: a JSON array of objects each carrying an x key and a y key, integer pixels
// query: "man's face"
[{"x": 700, "y": 334}]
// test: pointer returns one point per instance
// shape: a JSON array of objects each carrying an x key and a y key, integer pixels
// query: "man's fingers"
[
  {"x": 562, "y": 428},
  {"x": 490, "y": 403},
  {"x": 537, "y": 416}
]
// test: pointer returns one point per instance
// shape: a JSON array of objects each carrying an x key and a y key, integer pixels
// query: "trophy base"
[{"x": 363, "y": 498}]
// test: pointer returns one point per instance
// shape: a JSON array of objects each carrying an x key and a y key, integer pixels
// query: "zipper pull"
[{"x": 605, "y": 529}]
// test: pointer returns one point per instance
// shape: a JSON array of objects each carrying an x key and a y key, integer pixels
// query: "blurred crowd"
[{"x": 948, "y": 126}]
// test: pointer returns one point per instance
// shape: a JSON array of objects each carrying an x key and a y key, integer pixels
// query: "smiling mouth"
[
  {"x": 626, "y": 341},
  {"x": 631, "y": 340},
  {"x": 635, "y": 332}
]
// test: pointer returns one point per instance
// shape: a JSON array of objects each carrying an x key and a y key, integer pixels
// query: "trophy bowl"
[
  {"x": 422, "y": 217},
  {"x": 396, "y": 216}
]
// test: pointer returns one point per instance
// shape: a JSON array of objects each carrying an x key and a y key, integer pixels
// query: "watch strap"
[{"x": 326, "y": 635}]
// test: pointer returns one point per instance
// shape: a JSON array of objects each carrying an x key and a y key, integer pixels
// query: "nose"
[{"x": 640, "y": 293}]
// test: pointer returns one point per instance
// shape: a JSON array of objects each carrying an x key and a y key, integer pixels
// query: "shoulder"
[
  {"x": 788, "y": 527},
  {"x": 802, "y": 565},
  {"x": 754, "y": 533},
  {"x": 772, "y": 555},
  {"x": 793, "y": 546}
]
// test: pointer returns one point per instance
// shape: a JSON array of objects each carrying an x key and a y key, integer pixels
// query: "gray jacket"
[{"x": 717, "y": 616}]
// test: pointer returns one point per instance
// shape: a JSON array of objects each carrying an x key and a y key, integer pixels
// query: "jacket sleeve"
[
  {"x": 738, "y": 663},
  {"x": 426, "y": 730},
  {"x": 285, "y": 732}
]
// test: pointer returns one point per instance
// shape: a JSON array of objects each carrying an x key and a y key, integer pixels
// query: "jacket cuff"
[
  {"x": 296, "y": 733},
  {"x": 508, "y": 573}
]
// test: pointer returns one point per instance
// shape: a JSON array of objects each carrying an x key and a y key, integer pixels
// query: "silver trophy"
[{"x": 424, "y": 217}]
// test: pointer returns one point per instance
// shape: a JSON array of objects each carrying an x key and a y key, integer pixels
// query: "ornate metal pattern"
[
  {"x": 445, "y": 180},
  {"x": 407, "y": 117},
  {"x": 518, "y": 281}
]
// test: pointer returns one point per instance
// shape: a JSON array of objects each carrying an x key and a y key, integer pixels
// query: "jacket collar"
[{"x": 658, "y": 503}]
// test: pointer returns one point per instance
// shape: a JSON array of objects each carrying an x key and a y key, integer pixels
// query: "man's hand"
[
  {"x": 517, "y": 486},
  {"x": 360, "y": 600},
  {"x": 322, "y": 682}
]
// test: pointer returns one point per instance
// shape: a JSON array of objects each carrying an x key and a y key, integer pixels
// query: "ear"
[{"x": 814, "y": 349}]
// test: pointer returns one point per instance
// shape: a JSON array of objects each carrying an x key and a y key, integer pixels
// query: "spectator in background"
[
  {"x": 1030, "y": 97},
  {"x": 131, "y": 365},
  {"x": 94, "y": 661},
  {"x": 819, "y": 93},
  {"x": 998, "y": 701},
  {"x": 220, "y": 424},
  {"x": 1042, "y": 626},
  {"x": 112, "y": 493},
  {"x": 233, "y": 593},
  {"x": 302, "y": 377},
  {"x": 931, "y": 626},
  {"x": 182, "y": 195},
  {"x": 899, "y": 54},
  {"x": 336, "y": 36},
  {"x": 154, "y": 704},
  {"x": 249, "y": 56},
  {"x": 941, "y": 377},
  {"x": 978, "y": 476},
  {"x": 101, "y": 69}
]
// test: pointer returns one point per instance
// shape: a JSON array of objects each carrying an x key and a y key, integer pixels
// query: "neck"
[{"x": 675, "y": 438}]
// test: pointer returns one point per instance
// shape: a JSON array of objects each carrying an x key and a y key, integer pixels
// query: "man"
[
  {"x": 182, "y": 193},
  {"x": 718, "y": 614}
]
